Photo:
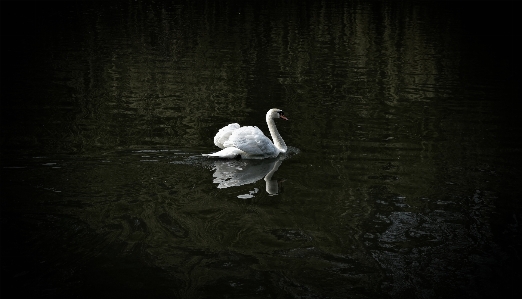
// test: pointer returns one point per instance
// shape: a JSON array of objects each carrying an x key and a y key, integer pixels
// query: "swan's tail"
[{"x": 226, "y": 153}]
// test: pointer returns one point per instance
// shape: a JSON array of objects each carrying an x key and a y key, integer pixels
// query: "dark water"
[{"x": 402, "y": 181}]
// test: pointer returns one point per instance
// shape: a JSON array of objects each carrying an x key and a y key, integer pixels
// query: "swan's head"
[{"x": 276, "y": 113}]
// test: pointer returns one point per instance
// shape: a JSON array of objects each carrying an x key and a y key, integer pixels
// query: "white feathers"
[
  {"x": 226, "y": 153},
  {"x": 252, "y": 141},
  {"x": 224, "y": 133},
  {"x": 249, "y": 142}
]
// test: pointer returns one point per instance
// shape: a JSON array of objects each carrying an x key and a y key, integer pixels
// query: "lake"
[{"x": 402, "y": 178}]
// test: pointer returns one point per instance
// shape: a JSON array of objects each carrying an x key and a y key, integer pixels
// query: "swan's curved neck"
[{"x": 276, "y": 138}]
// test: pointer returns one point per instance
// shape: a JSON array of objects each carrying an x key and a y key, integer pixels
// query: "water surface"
[{"x": 402, "y": 179}]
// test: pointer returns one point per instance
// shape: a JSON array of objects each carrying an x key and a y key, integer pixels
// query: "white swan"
[{"x": 249, "y": 142}]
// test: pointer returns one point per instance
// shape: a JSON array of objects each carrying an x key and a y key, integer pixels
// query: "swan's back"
[{"x": 224, "y": 133}]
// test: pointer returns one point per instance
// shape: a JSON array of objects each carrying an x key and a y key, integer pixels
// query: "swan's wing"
[
  {"x": 252, "y": 141},
  {"x": 226, "y": 153},
  {"x": 224, "y": 133}
]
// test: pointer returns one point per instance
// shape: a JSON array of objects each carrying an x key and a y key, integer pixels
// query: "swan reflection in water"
[{"x": 233, "y": 173}]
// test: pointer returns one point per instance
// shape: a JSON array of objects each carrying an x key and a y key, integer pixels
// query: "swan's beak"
[{"x": 283, "y": 117}]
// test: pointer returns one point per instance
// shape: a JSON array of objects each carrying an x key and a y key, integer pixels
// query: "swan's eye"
[{"x": 282, "y": 115}]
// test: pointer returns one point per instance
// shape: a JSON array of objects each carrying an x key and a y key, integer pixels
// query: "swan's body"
[{"x": 249, "y": 142}]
